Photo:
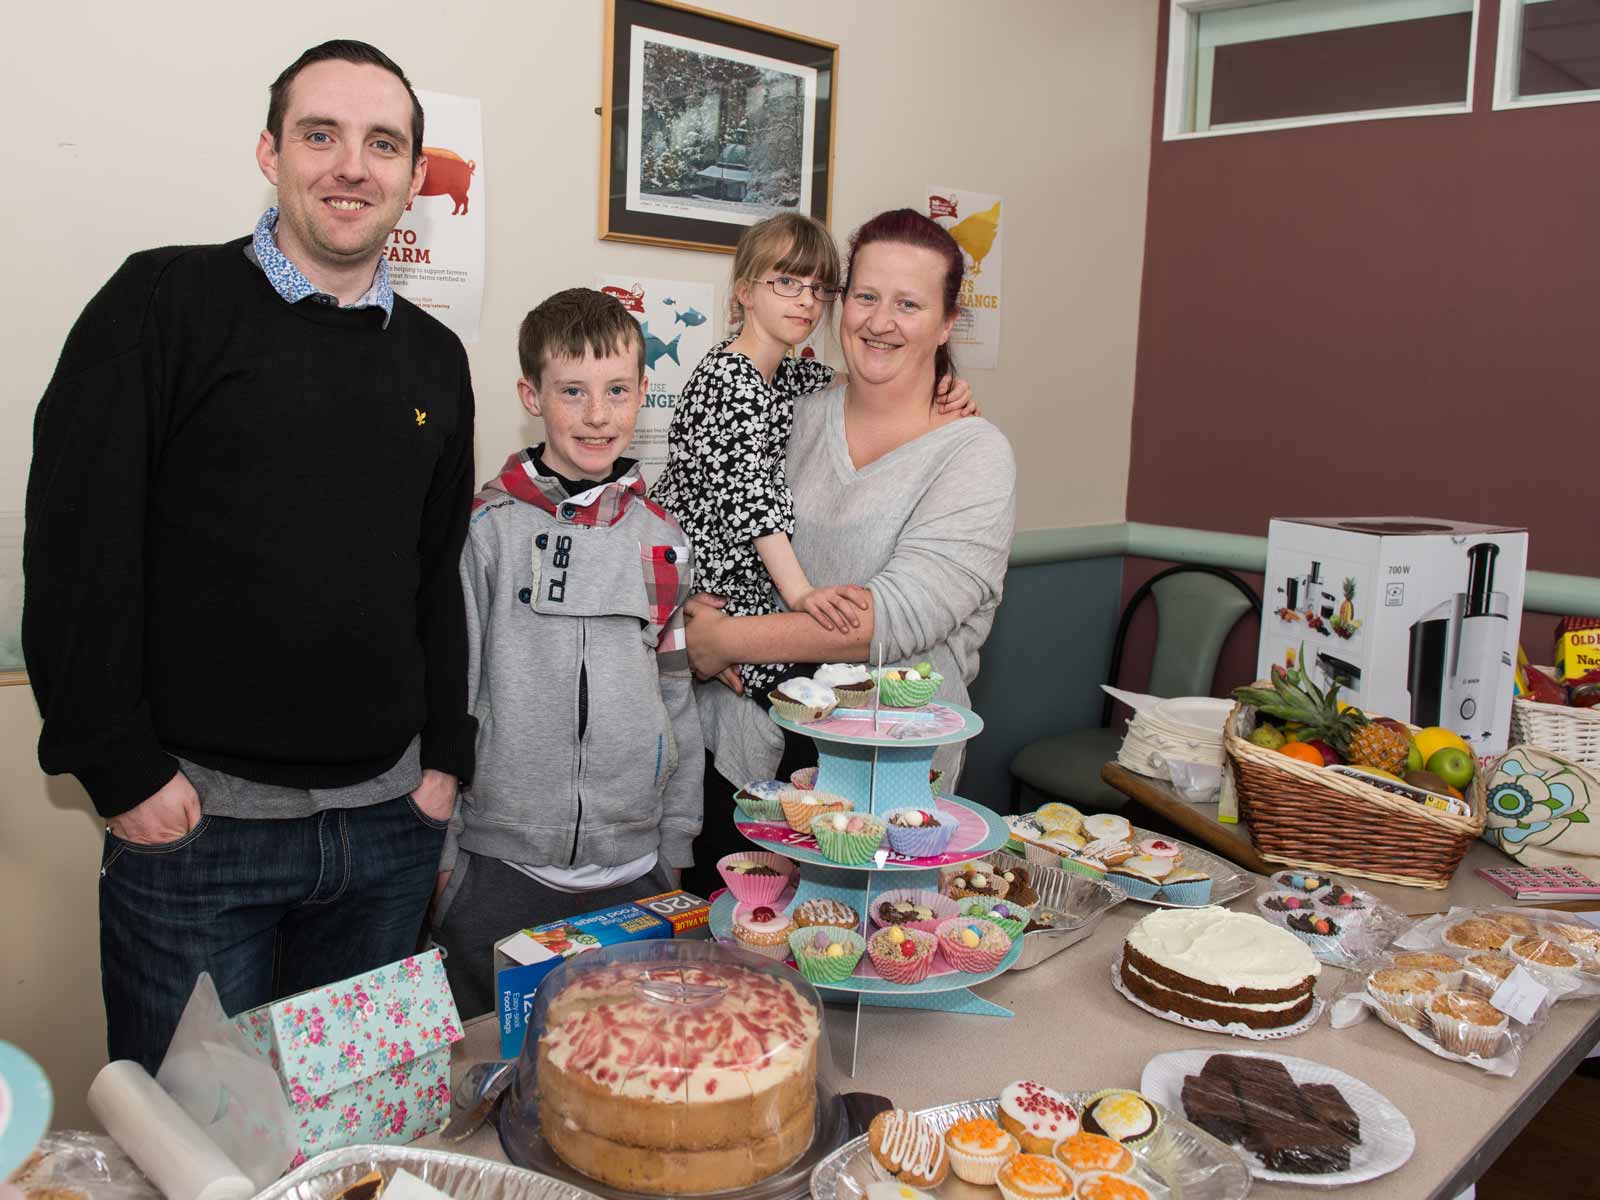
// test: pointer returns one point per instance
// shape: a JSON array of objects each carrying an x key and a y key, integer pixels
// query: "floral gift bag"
[{"x": 1538, "y": 808}]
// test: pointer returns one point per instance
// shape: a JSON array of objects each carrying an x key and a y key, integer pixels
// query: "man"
[{"x": 242, "y": 618}]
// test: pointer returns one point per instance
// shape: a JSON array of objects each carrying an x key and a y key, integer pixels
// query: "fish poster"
[
  {"x": 973, "y": 219},
  {"x": 436, "y": 252},
  {"x": 679, "y": 325}
]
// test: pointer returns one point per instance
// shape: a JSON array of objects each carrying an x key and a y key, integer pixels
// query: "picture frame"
[{"x": 709, "y": 124}]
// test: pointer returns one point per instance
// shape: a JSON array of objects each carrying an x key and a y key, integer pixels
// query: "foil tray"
[
  {"x": 457, "y": 1175},
  {"x": 1079, "y": 901},
  {"x": 1182, "y": 1162}
]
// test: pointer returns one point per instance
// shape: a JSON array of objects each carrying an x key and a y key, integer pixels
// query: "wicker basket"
[
  {"x": 1306, "y": 816},
  {"x": 1569, "y": 733}
]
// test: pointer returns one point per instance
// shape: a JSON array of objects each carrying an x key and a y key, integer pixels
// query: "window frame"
[
  {"x": 1183, "y": 23},
  {"x": 1508, "y": 63}
]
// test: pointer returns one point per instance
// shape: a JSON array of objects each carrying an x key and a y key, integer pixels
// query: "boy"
[{"x": 589, "y": 761}]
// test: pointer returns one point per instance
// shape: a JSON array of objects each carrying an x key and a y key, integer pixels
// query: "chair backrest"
[{"x": 1196, "y": 608}]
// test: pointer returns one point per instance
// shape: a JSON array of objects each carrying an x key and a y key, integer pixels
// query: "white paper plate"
[
  {"x": 1204, "y": 714},
  {"x": 1236, "y": 1030},
  {"x": 1387, "y": 1139}
]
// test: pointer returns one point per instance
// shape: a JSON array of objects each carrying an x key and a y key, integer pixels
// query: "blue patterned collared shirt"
[{"x": 288, "y": 282}]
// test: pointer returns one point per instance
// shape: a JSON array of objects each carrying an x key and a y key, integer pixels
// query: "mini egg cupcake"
[
  {"x": 1278, "y": 905},
  {"x": 848, "y": 837},
  {"x": 902, "y": 955},
  {"x": 826, "y": 954},
  {"x": 1449, "y": 971},
  {"x": 1033, "y": 1177},
  {"x": 1403, "y": 993},
  {"x": 755, "y": 876},
  {"x": 976, "y": 879},
  {"x": 1467, "y": 1024},
  {"x": 1094, "y": 1153},
  {"x": 1102, "y": 1185},
  {"x": 1485, "y": 971},
  {"x": 1036, "y": 1115},
  {"x": 973, "y": 944},
  {"x": 915, "y": 908},
  {"x": 805, "y": 778},
  {"x": 978, "y": 1148},
  {"x": 763, "y": 929},
  {"x": 760, "y": 800},
  {"x": 1351, "y": 906},
  {"x": 1122, "y": 1115},
  {"x": 919, "y": 832},
  {"x": 800, "y": 808},
  {"x": 1187, "y": 885},
  {"x": 1019, "y": 884},
  {"x": 1301, "y": 881},
  {"x": 1008, "y": 914},
  {"x": 1317, "y": 930}
]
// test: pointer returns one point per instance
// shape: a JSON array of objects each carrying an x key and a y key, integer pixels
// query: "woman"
[{"x": 916, "y": 506}]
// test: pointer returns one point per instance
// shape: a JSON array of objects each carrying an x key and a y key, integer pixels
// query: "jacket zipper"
[{"x": 583, "y": 724}]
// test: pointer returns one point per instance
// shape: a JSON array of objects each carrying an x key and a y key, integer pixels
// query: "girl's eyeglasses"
[{"x": 789, "y": 287}]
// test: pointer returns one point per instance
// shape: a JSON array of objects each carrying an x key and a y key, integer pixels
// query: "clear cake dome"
[{"x": 672, "y": 1068}]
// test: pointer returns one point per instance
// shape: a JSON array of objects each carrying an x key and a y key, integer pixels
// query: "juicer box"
[
  {"x": 522, "y": 960},
  {"x": 1417, "y": 618}
]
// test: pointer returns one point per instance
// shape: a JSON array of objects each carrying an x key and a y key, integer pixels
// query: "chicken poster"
[
  {"x": 436, "y": 251},
  {"x": 678, "y": 323},
  {"x": 973, "y": 219}
]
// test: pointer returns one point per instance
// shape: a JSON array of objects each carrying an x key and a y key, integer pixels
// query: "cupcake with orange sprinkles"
[
  {"x": 978, "y": 1148},
  {"x": 1033, "y": 1177},
  {"x": 1100, "y": 1185},
  {"x": 1083, "y": 1153}
]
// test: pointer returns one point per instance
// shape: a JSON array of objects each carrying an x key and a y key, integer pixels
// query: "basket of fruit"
[{"x": 1326, "y": 787}]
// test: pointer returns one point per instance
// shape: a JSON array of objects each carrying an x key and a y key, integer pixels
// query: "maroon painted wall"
[{"x": 1393, "y": 316}]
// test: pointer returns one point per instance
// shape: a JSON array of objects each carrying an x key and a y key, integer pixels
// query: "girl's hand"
[
  {"x": 835, "y": 608},
  {"x": 954, "y": 396}
]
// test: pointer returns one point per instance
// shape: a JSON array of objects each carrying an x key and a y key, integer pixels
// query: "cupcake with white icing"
[
  {"x": 851, "y": 683},
  {"x": 802, "y": 700}
]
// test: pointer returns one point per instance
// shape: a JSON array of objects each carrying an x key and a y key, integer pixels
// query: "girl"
[{"x": 724, "y": 480}]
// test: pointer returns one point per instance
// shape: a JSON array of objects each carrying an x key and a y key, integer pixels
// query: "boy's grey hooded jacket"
[{"x": 589, "y": 748}]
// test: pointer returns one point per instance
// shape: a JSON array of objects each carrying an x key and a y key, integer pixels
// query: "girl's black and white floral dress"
[{"x": 724, "y": 480}]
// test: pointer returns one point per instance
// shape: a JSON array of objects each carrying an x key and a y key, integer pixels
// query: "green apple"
[
  {"x": 1453, "y": 765},
  {"x": 1414, "y": 757}
]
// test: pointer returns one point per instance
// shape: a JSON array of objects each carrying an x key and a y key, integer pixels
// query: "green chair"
[{"x": 1196, "y": 608}]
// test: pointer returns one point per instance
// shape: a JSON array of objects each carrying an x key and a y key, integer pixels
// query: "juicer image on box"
[
  {"x": 1414, "y": 617},
  {"x": 1459, "y": 664}
]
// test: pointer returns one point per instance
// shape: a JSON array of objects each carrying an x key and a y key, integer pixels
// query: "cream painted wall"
[{"x": 133, "y": 126}]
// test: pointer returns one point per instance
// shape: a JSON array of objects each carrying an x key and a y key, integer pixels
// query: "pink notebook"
[{"x": 1541, "y": 883}]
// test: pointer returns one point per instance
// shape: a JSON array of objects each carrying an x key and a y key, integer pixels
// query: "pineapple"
[
  {"x": 1347, "y": 606},
  {"x": 1294, "y": 699},
  {"x": 1382, "y": 745}
]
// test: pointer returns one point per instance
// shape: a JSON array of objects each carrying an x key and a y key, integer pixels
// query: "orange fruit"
[{"x": 1302, "y": 752}]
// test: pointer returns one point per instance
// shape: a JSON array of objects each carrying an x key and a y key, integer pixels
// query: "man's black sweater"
[{"x": 243, "y": 525}]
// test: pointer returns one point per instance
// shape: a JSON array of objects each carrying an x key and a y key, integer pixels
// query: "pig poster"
[
  {"x": 973, "y": 219},
  {"x": 436, "y": 252},
  {"x": 680, "y": 323}
]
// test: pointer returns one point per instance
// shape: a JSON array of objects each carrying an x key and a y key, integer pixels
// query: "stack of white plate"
[{"x": 1186, "y": 729}]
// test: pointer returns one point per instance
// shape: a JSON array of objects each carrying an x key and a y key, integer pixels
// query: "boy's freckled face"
[{"x": 589, "y": 406}]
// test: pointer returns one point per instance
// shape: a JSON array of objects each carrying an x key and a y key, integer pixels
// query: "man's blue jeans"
[{"x": 269, "y": 908}]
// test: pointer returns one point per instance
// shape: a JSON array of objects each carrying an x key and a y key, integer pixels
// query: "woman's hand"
[
  {"x": 954, "y": 398},
  {"x": 835, "y": 608},
  {"x": 702, "y": 619}
]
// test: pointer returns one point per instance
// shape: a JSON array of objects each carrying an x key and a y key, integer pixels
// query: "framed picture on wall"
[{"x": 710, "y": 124}]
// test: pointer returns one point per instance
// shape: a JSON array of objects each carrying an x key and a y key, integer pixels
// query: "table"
[
  {"x": 1199, "y": 821},
  {"x": 1073, "y": 1031}
]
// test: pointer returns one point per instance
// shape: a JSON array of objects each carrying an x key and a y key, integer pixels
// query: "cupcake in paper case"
[
  {"x": 1055, "y": 815},
  {"x": 760, "y": 800},
  {"x": 1019, "y": 884},
  {"x": 973, "y": 944},
  {"x": 826, "y": 954},
  {"x": 763, "y": 929},
  {"x": 907, "y": 687},
  {"x": 1544, "y": 956},
  {"x": 1020, "y": 830},
  {"x": 1093, "y": 1154},
  {"x": 1033, "y": 1177},
  {"x": 1403, "y": 993},
  {"x": 902, "y": 955},
  {"x": 1447, "y": 969},
  {"x": 755, "y": 876},
  {"x": 848, "y": 837},
  {"x": 1012, "y": 917},
  {"x": 851, "y": 683},
  {"x": 1122, "y": 1115},
  {"x": 1107, "y": 825},
  {"x": 1036, "y": 1115},
  {"x": 1476, "y": 933},
  {"x": 1301, "y": 881},
  {"x": 1351, "y": 906},
  {"x": 893, "y": 1189},
  {"x": 1136, "y": 884},
  {"x": 919, "y": 832},
  {"x": 801, "y": 808},
  {"x": 1483, "y": 973},
  {"x": 1517, "y": 923},
  {"x": 935, "y": 780},
  {"x": 975, "y": 879},
  {"x": 1112, "y": 852},
  {"x": 1102, "y": 1185},
  {"x": 1317, "y": 930},
  {"x": 1187, "y": 885},
  {"x": 977, "y": 1149},
  {"x": 805, "y": 778},
  {"x": 914, "y": 908},
  {"x": 823, "y": 910},
  {"x": 1278, "y": 905},
  {"x": 1467, "y": 1024},
  {"x": 1051, "y": 846},
  {"x": 1089, "y": 868},
  {"x": 802, "y": 700}
]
